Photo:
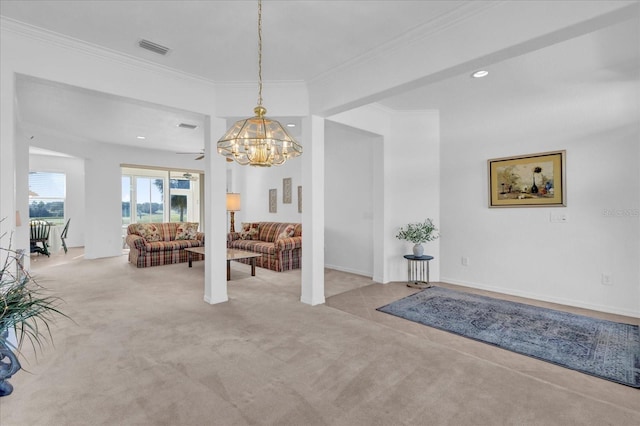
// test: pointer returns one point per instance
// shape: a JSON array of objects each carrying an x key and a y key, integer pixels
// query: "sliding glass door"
[
  {"x": 149, "y": 195},
  {"x": 153, "y": 196},
  {"x": 126, "y": 200}
]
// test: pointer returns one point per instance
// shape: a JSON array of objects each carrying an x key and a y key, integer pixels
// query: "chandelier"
[{"x": 258, "y": 141}]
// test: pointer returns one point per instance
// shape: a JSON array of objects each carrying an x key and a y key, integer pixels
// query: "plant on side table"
[
  {"x": 418, "y": 233},
  {"x": 24, "y": 309}
]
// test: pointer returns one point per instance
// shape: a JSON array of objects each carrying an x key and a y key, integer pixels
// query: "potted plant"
[
  {"x": 418, "y": 233},
  {"x": 24, "y": 309}
]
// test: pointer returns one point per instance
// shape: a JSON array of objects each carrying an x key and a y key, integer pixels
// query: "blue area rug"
[{"x": 605, "y": 349}]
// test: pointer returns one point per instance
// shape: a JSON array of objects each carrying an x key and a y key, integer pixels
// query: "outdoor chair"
[{"x": 39, "y": 235}]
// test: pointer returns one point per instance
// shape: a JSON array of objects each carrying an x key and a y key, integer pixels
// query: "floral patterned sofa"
[
  {"x": 279, "y": 243},
  {"x": 154, "y": 244}
]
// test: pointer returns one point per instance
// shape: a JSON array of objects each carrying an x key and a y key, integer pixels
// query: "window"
[
  {"x": 47, "y": 196},
  {"x": 150, "y": 195},
  {"x": 178, "y": 208},
  {"x": 149, "y": 199},
  {"x": 126, "y": 200},
  {"x": 181, "y": 190}
]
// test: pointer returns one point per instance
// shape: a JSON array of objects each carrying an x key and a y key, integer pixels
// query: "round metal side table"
[{"x": 418, "y": 271}]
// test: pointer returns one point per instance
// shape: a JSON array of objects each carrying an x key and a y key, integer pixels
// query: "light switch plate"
[{"x": 558, "y": 217}]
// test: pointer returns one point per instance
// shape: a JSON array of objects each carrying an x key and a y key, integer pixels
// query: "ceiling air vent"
[
  {"x": 187, "y": 126},
  {"x": 154, "y": 47}
]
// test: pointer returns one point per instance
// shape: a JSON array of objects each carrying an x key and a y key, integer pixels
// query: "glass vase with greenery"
[{"x": 25, "y": 309}]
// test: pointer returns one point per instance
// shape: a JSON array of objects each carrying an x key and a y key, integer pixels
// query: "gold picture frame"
[{"x": 533, "y": 180}]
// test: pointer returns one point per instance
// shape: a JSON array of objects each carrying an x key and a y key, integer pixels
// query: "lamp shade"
[{"x": 233, "y": 202}]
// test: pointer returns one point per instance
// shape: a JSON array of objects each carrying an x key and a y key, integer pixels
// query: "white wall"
[
  {"x": 349, "y": 198},
  {"x": 518, "y": 250},
  {"x": 412, "y": 185},
  {"x": 94, "y": 185},
  {"x": 74, "y": 208},
  {"x": 62, "y": 60},
  {"x": 406, "y": 182},
  {"x": 253, "y": 184}
]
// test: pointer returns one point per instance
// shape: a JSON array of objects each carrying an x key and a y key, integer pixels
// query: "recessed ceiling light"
[
  {"x": 480, "y": 74},
  {"x": 291, "y": 125},
  {"x": 140, "y": 137}
]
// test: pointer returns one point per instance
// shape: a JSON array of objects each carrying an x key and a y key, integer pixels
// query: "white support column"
[
  {"x": 312, "y": 291},
  {"x": 379, "y": 214},
  {"x": 215, "y": 215},
  {"x": 7, "y": 151},
  {"x": 22, "y": 234}
]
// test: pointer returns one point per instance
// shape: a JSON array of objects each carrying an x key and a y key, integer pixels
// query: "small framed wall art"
[
  {"x": 299, "y": 199},
  {"x": 286, "y": 191},
  {"x": 533, "y": 180},
  {"x": 273, "y": 201}
]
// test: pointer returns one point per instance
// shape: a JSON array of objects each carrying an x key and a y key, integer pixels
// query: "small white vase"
[{"x": 418, "y": 250}]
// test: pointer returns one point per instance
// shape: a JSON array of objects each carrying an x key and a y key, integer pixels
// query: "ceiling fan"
[
  {"x": 189, "y": 176},
  {"x": 180, "y": 175},
  {"x": 200, "y": 155}
]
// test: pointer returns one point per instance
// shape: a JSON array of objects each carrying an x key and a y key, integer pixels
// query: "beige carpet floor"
[{"x": 144, "y": 349}]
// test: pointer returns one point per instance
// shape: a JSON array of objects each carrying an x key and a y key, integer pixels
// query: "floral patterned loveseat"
[
  {"x": 154, "y": 244},
  {"x": 279, "y": 243}
]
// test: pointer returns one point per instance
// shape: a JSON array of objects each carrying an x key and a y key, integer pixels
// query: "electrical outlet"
[
  {"x": 607, "y": 279},
  {"x": 464, "y": 260}
]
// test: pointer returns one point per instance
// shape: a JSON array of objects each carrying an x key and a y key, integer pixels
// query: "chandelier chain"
[
  {"x": 258, "y": 141},
  {"x": 259, "y": 52}
]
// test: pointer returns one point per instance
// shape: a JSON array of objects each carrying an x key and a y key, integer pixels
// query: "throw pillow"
[
  {"x": 249, "y": 231},
  {"x": 288, "y": 232},
  {"x": 148, "y": 231},
  {"x": 187, "y": 231}
]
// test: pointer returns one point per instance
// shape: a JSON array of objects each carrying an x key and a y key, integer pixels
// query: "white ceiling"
[{"x": 217, "y": 40}]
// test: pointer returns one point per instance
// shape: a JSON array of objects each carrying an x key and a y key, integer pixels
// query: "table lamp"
[{"x": 233, "y": 205}]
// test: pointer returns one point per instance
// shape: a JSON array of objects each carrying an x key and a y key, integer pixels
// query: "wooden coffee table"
[
  {"x": 191, "y": 250},
  {"x": 232, "y": 254},
  {"x": 235, "y": 254}
]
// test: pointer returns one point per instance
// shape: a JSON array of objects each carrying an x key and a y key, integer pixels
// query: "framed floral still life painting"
[{"x": 534, "y": 180}]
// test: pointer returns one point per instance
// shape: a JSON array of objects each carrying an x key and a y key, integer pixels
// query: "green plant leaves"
[{"x": 418, "y": 233}]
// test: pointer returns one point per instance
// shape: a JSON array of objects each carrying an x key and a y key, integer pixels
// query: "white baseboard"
[
  {"x": 543, "y": 298},
  {"x": 348, "y": 270}
]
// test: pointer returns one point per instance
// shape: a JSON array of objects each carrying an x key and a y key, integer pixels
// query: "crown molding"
[
  {"x": 416, "y": 35},
  {"x": 254, "y": 84},
  {"x": 70, "y": 43},
  {"x": 385, "y": 109}
]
